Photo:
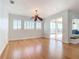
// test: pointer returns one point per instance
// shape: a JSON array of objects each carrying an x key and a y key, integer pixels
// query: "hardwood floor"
[{"x": 40, "y": 49}]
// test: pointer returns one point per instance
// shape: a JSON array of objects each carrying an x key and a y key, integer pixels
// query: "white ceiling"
[{"x": 47, "y": 7}]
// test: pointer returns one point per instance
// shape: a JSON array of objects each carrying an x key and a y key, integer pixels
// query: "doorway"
[{"x": 56, "y": 27}]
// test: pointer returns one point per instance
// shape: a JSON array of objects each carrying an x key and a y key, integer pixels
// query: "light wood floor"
[{"x": 40, "y": 49}]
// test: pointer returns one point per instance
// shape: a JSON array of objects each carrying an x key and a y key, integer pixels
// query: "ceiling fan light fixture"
[
  {"x": 11, "y": 1},
  {"x": 36, "y": 17}
]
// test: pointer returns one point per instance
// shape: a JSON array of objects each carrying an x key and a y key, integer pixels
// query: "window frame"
[
  {"x": 38, "y": 23},
  {"x": 18, "y": 25},
  {"x": 30, "y": 25}
]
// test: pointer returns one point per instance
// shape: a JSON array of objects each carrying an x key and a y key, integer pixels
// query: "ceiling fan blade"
[
  {"x": 35, "y": 18},
  {"x": 40, "y": 18}
]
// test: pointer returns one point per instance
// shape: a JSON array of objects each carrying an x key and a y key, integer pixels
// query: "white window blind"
[
  {"x": 38, "y": 25},
  {"x": 16, "y": 24},
  {"x": 28, "y": 25}
]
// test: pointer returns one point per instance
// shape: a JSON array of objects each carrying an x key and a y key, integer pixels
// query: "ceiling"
[{"x": 47, "y": 7}]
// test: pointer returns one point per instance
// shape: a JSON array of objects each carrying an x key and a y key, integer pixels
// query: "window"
[
  {"x": 28, "y": 25},
  {"x": 32, "y": 24},
  {"x": 38, "y": 25},
  {"x": 75, "y": 26},
  {"x": 16, "y": 24},
  {"x": 52, "y": 27}
]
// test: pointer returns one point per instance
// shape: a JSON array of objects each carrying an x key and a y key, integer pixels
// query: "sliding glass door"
[
  {"x": 56, "y": 29},
  {"x": 52, "y": 29}
]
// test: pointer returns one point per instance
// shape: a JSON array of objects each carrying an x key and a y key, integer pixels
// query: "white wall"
[
  {"x": 22, "y": 34},
  {"x": 64, "y": 15},
  {"x": 3, "y": 25}
]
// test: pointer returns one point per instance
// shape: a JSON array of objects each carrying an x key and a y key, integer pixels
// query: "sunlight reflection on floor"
[{"x": 55, "y": 49}]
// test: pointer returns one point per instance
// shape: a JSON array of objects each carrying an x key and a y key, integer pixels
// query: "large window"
[
  {"x": 16, "y": 24},
  {"x": 32, "y": 25},
  {"x": 38, "y": 25},
  {"x": 28, "y": 25}
]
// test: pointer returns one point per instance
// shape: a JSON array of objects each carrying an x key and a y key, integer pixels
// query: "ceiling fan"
[
  {"x": 36, "y": 17},
  {"x": 12, "y": 1}
]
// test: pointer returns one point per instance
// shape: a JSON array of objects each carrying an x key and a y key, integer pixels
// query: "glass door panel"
[
  {"x": 56, "y": 29},
  {"x": 52, "y": 29},
  {"x": 59, "y": 30}
]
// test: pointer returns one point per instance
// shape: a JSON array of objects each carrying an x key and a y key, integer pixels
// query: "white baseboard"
[
  {"x": 3, "y": 48},
  {"x": 25, "y": 38}
]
